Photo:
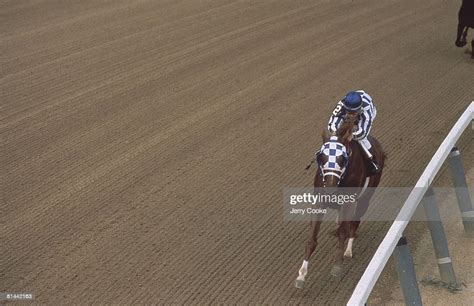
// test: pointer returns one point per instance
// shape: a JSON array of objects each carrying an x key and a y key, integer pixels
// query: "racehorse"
[
  {"x": 352, "y": 171},
  {"x": 466, "y": 21}
]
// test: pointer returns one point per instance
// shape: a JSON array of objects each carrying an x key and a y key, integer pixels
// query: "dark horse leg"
[
  {"x": 472, "y": 48},
  {"x": 310, "y": 247},
  {"x": 462, "y": 34}
]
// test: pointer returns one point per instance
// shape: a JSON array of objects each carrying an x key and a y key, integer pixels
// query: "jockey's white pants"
[{"x": 365, "y": 144}]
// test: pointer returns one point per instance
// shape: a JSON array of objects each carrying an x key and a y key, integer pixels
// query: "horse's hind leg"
[
  {"x": 342, "y": 234},
  {"x": 461, "y": 35},
  {"x": 346, "y": 214}
]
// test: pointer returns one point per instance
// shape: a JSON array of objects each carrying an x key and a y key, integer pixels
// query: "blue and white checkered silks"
[{"x": 333, "y": 149}]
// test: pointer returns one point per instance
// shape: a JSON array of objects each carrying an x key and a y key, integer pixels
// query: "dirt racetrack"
[{"x": 146, "y": 143}]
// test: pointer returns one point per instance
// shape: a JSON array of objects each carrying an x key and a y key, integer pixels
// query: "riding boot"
[
  {"x": 370, "y": 155},
  {"x": 374, "y": 167}
]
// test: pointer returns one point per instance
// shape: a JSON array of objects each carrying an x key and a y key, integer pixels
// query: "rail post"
[
  {"x": 389, "y": 245},
  {"x": 438, "y": 238},
  {"x": 406, "y": 273},
  {"x": 462, "y": 192}
]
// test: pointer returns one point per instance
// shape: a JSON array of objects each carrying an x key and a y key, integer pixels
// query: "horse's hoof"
[
  {"x": 299, "y": 283},
  {"x": 460, "y": 43},
  {"x": 336, "y": 271}
]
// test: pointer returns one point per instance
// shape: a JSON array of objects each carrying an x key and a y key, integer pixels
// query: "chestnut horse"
[{"x": 352, "y": 170}]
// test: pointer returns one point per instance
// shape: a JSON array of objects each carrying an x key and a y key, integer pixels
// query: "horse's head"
[{"x": 333, "y": 157}]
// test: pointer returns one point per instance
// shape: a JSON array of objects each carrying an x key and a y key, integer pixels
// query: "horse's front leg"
[{"x": 309, "y": 249}]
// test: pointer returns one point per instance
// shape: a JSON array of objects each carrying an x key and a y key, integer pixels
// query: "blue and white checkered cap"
[{"x": 333, "y": 149}]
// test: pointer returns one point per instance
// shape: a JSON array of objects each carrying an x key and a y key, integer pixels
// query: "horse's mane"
[{"x": 344, "y": 133}]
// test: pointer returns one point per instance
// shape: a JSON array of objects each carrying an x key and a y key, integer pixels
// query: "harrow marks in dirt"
[{"x": 146, "y": 143}]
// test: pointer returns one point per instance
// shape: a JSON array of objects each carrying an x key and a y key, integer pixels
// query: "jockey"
[{"x": 357, "y": 103}]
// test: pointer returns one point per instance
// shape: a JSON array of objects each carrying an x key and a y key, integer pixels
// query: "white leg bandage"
[
  {"x": 303, "y": 271},
  {"x": 348, "y": 252}
]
